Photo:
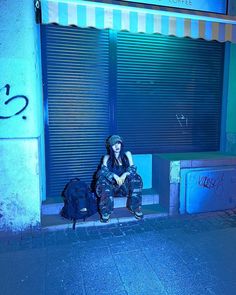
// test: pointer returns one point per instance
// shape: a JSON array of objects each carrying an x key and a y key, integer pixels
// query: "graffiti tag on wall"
[
  {"x": 11, "y": 99},
  {"x": 183, "y": 123},
  {"x": 182, "y": 120},
  {"x": 212, "y": 183}
]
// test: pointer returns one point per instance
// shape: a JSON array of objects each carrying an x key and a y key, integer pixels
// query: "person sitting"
[{"x": 118, "y": 176}]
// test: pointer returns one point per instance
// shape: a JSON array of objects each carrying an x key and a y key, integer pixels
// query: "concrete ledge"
[{"x": 149, "y": 199}]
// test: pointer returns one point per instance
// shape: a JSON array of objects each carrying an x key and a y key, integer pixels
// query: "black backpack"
[{"x": 79, "y": 201}]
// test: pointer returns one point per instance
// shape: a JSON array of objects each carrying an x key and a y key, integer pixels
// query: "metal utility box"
[
  {"x": 204, "y": 190},
  {"x": 195, "y": 182}
]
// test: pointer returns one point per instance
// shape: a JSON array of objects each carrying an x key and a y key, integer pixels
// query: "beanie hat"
[{"x": 114, "y": 139}]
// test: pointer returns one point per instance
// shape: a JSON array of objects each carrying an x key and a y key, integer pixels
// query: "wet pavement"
[{"x": 192, "y": 255}]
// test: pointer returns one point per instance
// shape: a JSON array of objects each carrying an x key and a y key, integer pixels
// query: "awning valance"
[{"x": 135, "y": 19}]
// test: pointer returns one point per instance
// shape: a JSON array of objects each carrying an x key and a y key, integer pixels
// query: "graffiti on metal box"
[
  {"x": 211, "y": 183},
  {"x": 11, "y": 99}
]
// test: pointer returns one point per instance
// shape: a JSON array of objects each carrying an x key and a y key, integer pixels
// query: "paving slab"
[{"x": 190, "y": 254}]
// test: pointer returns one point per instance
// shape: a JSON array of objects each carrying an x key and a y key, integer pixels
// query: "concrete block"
[
  {"x": 144, "y": 166},
  {"x": 19, "y": 184}
]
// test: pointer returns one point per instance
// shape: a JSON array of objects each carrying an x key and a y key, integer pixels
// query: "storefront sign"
[{"x": 217, "y": 6}]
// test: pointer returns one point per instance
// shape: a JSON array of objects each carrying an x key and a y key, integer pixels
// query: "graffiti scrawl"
[
  {"x": 212, "y": 183},
  {"x": 13, "y": 98},
  {"x": 182, "y": 120}
]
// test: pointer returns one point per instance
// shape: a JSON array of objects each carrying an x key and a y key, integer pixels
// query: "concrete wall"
[
  {"x": 21, "y": 127},
  {"x": 231, "y": 103},
  {"x": 232, "y": 7}
]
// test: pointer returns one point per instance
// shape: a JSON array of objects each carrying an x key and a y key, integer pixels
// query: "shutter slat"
[
  {"x": 76, "y": 83},
  {"x": 159, "y": 80}
]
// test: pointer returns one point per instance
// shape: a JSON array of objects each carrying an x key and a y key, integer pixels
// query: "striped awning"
[{"x": 138, "y": 20}]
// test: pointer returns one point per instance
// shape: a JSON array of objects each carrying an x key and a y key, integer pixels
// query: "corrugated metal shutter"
[
  {"x": 75, "y": 65},
  {"x": 169, "y": 93}
]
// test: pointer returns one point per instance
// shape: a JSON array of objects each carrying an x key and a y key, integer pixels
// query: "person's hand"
[
  {"x": 123, "y": 177},
  {"x": 118, "y": 179}
]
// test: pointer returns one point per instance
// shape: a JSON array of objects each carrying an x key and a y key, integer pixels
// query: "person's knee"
[
  {"x": 139, "y": 179},
  {"x": 137, "y": 182},
  {"x": 104, "y": 189},
  {"x": 102, "y": 182}
]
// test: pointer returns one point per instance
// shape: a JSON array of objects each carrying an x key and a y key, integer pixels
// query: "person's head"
[{"x": 115, "y": 145}]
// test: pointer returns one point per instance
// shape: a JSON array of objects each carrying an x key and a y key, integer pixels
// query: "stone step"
[{"x": 119, "y": 202}]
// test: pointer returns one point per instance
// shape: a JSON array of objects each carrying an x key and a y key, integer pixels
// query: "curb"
[{"x": 98, "y": 223}]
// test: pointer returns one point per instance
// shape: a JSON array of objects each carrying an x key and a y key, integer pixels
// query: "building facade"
[{"x": 28, "y": 100}]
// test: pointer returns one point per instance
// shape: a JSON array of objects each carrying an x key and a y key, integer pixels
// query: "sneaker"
[
  {"x": 138, "y": 214},
  {"x": 105, "y": 218}
]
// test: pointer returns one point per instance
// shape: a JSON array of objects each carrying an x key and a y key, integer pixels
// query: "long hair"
[{"x": 113, "y": 158}]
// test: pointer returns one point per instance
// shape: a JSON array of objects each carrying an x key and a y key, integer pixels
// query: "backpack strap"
[{"x": 74, "y": 223}]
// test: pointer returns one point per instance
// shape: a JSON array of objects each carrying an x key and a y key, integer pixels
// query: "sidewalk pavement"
[{"x": 187, "y": 255}]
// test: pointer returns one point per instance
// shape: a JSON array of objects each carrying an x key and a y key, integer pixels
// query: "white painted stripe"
[
  {"x": 142, "y": 22},
  {"x": 72, "y": 14},
  {"x": 125, "y": 19},
  {"x": 90, "y": 16},
  {"x": 53, "y": 12},
  {"x": 168, "y": 12},
  {"x": 157, "y": 23},
  {"x": 108, "y": 18},
  {"x": 176, "y": 26},
  {"x": 172, "y": 26}
]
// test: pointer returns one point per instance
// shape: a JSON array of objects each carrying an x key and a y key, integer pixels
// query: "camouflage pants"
[{"x": 131, "y": 188}]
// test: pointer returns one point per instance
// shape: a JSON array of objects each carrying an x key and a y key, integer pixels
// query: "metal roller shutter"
[
  {"x": 165, "y": 96},
  {"x": 75, "y": 65},
  {"x": 169, "y": 93}
]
